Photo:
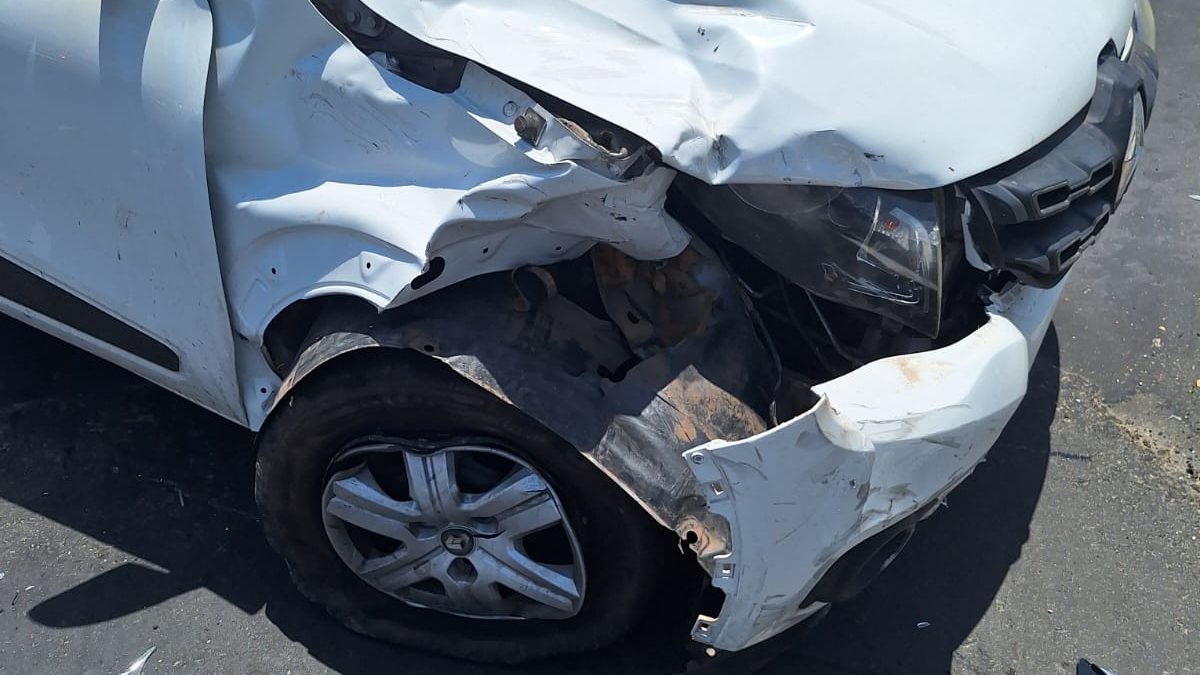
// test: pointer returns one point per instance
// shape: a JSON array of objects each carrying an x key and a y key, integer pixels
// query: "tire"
[{"x": 383, "y": 392}]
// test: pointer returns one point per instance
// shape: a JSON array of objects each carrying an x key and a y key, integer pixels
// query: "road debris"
[
  {"x": 139, "y": 663},
  {"x": 922, "y": 625},
  {"x": 1194, "y": 197},
  {"x": 1085, "y": 667}
]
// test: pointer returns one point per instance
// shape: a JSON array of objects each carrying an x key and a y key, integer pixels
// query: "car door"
[{"x": 106, "y": 237}]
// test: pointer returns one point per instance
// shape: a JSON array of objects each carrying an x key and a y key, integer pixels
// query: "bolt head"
[{"x": 529, "y": 126}]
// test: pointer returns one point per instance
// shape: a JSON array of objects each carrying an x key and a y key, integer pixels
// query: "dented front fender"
[{"x": 332, "y": 175}]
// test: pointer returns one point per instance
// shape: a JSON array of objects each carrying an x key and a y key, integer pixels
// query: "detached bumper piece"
[
  {"x": 823, "y": 501},
  {"x": 1034, "y": 216}
]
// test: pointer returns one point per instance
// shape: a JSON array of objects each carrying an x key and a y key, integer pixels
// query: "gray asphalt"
[{"x": 127, "y": 519}]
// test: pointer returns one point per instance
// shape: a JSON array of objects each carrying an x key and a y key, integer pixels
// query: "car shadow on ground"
[{"x": 100, "y": 451}]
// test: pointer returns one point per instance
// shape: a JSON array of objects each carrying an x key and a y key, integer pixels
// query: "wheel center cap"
[{"x": 457, "y": 541}]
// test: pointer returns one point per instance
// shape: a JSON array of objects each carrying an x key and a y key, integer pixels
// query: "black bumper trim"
[{"x": 1033, "y": 216}]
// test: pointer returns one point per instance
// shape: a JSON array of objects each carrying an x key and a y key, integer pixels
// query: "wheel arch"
[
  {"x": 573, "y": 372},
  {"x": 349, "y": 404}
]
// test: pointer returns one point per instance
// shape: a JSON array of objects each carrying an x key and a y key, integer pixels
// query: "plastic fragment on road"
[
  {"x": 1085, "y": 667},
  {"x": 139, "y": 663}
]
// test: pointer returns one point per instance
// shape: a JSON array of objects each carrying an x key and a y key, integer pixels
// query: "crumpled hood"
[{"x": 886, "y": 93}]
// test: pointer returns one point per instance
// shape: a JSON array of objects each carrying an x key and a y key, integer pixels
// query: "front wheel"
[{"x": 419, "y": 509}]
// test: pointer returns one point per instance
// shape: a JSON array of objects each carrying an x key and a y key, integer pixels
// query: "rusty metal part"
[
  {"x": 655, "y": 306},
  {"x": 530, "y": 126},
  {"x": 632, "y": 396}
]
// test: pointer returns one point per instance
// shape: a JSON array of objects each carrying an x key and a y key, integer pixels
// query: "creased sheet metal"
[
  {"x": 912, "y": 94},
  {"x": 331, "y": 175}
]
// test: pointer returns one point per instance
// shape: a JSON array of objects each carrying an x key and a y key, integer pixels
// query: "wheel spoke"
[
  {"x": 530, "y": 517},
  {"x": 521, "y": 487},
  {"x": 432, "y": 483},
  {"x": 358, "y": 500},
  {"x": 550, "y": 585},
  {"x": 399, "y": 570}
]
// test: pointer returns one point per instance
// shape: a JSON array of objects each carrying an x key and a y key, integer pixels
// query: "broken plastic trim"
[{"x": 885, "y": 442}]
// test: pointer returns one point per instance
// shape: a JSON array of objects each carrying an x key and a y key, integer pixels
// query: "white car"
[{"x": 536, "y": 306}]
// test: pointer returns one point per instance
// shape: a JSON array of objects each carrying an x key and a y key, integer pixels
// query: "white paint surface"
[
  {"x": 885, "y": 93},
  {"x": 102, "y": 178}
]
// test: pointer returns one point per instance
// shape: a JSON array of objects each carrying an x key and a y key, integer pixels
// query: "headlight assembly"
[{"x": 877, "y": 250}]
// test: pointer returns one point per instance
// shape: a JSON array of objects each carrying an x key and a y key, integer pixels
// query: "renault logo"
[{"x": 458, "y": 542}]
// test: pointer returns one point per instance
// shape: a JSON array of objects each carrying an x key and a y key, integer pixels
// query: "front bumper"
[{"x": 882, "y": 445}]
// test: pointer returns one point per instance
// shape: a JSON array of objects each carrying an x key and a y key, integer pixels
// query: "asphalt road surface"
[{"x": 127, "y": 519}]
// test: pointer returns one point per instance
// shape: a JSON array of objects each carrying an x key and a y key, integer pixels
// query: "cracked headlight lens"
[{"x": 877, "y": 250}]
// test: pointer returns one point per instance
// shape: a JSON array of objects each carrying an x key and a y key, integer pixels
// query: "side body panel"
[{"x": 106, "y": 238}]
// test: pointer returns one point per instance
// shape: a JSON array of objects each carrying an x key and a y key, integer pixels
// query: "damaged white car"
[{"x": 539, "y": 304}]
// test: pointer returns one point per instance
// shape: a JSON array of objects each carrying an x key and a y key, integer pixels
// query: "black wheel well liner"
[{"x": 547, "y": 356}]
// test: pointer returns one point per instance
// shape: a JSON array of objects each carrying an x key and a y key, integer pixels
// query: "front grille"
[{"x": 1034, "y": 216}]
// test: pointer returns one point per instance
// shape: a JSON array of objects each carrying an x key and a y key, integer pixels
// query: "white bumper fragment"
[{"x": 882, "y": 443}]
